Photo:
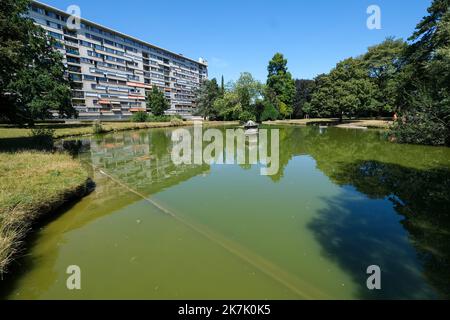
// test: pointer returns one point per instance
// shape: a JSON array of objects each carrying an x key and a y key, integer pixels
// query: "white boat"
[{"x": 251, "y": 128}]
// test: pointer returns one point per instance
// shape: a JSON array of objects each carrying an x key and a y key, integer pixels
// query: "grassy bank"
[
  {"x": 31, "y": 185},
  {"x": 80, "y": 129}
]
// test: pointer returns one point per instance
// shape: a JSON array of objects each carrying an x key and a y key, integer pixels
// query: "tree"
[
  {"x": 156, "y": 102},
  {"x": 347, "y": 90},
  {"x": 242, "y": 101},
  {"x": 383, "y": 63},
  {"x": 249, "y": 92},
  {"x": 423, "y": 104},
  {"x": 303, "y": 92},
  {"x": 259, "y": 109},
  {"x": 207, "y": 94},
  {"x": 281, "y": 84},
  {"x": 32, "y": 76},
  {"x": 323, "y": 98},
  {"x": 222, "y": 86},
  {"x": 429, "y": 35},
  {"x": 228, "y": 107}
]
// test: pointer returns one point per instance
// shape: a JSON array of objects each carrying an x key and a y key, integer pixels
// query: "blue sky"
[{"x": 242, "y": 35}]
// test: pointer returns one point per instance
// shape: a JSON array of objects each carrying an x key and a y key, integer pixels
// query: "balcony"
[
  {"x": 78, "y": 94},
  {"x": 71, "y": 51},
  {"x": 75, "y": 77}
]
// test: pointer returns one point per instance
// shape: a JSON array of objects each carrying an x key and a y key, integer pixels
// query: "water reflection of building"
[{"x": 141, "y": 160}]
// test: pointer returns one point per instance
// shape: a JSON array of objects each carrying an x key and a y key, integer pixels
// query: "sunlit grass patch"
[{"x": 31, "y": 185}]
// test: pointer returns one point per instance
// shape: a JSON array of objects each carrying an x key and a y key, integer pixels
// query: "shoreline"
[
  {"x": 334, "y": 122},
  {"x": 81, "y": 129}
]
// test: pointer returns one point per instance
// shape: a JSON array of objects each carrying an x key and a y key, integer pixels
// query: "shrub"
[
  {"x": 177, "y": 116},
  {"x": 154, "y": 118},
  {"x": 97, "y": 127},
  {"x": 42, "y": 132},
  {"x": 420, "y": 128},
  {"x": 176, "y": 121},
  {"x": 140, "y": 116},
  {"x": 42, "y": 138}
]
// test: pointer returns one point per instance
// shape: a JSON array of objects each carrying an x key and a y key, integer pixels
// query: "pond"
[{"x": 342, "y": 200}]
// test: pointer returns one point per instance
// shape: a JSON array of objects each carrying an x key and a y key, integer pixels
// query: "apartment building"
[{"x": 112, "y": 72}]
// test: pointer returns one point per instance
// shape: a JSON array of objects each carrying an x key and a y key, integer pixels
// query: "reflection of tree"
[
  {"x": 160, "y": 142},
  {"x": 423, "y": 198},
  {"x": 415, "y": 179},
  {"x": 291, "y": 142}
]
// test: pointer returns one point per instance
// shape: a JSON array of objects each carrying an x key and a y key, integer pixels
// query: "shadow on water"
[
  {"x": 356, "y": 235},
  {"x": 36, "y": 143}
]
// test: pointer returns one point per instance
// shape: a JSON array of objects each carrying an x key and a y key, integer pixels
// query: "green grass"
[
  {"x": 31, "y": 185},
  {"x": 70, "y": 130},
  {"x": 62, "y": 131}
]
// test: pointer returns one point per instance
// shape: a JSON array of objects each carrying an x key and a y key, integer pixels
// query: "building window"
[{"x": 88, "y": 77}]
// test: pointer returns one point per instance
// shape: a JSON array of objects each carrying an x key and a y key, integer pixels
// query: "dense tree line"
[
  {"x": 362, "y": 86},
  {"x": 33, "y": 81},
  {"x": 248, "y": 99},
  {"x": 407, "y": 80}
]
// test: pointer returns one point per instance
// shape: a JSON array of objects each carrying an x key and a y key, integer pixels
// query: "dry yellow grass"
[
  {"x": 31, "y": 185},
  {"x": 379, "y": 124},
  {"x": 302, "y": 122}
]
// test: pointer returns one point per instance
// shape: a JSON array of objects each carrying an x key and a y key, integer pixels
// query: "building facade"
[{"x": 111, "y": 72}]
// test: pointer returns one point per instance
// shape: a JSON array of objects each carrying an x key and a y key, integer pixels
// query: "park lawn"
[
  {"x": 62, "y": 131},
  {"x": 33, "y": 184},
  {"x": 70, "y": 130}
]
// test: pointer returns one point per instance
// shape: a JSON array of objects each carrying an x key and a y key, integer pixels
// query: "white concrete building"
[{"x": 111, "y": 71}]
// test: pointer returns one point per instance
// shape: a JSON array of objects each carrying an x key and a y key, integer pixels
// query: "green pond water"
[{"x": 342, "y": 200}]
